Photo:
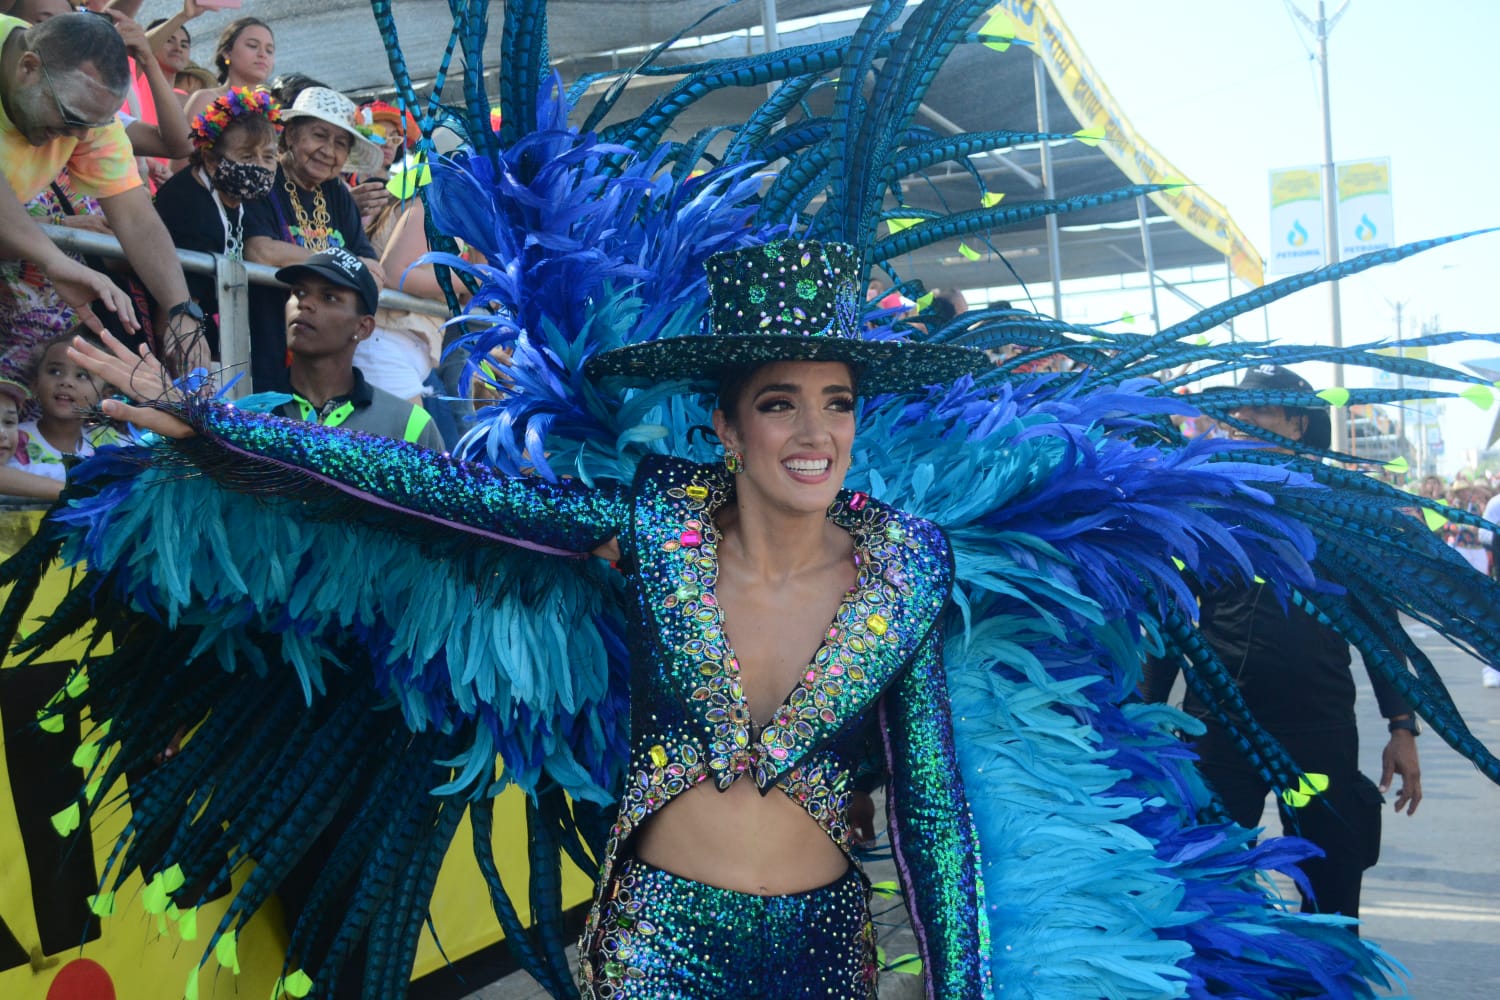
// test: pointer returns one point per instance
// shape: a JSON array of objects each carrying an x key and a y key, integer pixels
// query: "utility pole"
[
  {"x": 1400, "y": 376},
  {"x": 1321, "y": 30}
]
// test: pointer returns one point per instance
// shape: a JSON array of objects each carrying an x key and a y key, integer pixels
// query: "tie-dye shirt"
[{"x": 101, "y": 164}]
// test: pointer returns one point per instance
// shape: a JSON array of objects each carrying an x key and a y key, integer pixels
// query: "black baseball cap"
[
  {"x": 342, "y": 268},
  {"x": 1274, "y": 377}
]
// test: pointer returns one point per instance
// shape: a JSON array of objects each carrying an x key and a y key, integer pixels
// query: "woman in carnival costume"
[
  {"x": 749, "y": 579},
  {"x": 1062, "y": 513}
]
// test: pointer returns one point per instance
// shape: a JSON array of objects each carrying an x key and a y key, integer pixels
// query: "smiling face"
[
  {"x": 63, "y": 390},
  {"x": 250, "y": 57},
  {"x": 175, "y": 53},
  {"x": 793, "y": 422},
  {"x": 315, "y": 151}
]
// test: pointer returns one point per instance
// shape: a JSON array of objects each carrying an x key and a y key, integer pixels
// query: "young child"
[
  {"x": 13, "y": 481},
  {"x": 13, "y": 397},
  {"x": 65, "y": 393}
]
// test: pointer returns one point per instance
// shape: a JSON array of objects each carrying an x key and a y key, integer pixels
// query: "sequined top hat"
[{"x": 789, "y": 300}]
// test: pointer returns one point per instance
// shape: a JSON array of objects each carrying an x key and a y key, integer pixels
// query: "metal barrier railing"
[{"x": 233, "y": 279}]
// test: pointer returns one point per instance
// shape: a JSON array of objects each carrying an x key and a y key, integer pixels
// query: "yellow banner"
[
  {"x": 1302, "y": 184},
  {"x": 1365, "y": 177},
  {"x": 1037, "y": 22}
]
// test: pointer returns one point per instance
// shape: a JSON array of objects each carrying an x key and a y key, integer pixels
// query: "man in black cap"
[
  {"x": 1307, "y": 425},
  {"x": 1294, "y": 674},
  {"x": 331, "y": 309}
]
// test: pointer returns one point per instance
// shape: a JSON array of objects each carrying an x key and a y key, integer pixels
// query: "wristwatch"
[
  {"x": 1408, "y": 723},
  {"x": 189, "y": 308}
]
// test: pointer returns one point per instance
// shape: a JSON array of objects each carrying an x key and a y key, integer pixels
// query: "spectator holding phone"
[
  {"x": 172, "y": 45},
  {"x": 244, "y": 57}
]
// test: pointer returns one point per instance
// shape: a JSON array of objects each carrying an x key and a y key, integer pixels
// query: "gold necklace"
[{"x": 314, "y": 232}]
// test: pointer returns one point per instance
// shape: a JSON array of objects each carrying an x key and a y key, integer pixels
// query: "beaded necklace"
[
  {"x": 315, "y": 230},
  {"x": 234, "y": 232}
]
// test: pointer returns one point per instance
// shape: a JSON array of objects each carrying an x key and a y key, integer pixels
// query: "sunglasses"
[{"x": 69, "y": 119}]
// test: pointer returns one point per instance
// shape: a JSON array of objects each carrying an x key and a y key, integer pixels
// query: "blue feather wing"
[{"x": 1071, "y": 531}]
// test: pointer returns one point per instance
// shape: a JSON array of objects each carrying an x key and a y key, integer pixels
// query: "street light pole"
[
  {"x": 1400, "y": 377},
  {"x": 1331, "y": 222},
  {"x": 1321, "y": 31}
]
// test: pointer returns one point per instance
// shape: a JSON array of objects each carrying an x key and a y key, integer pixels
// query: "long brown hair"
[{"x": 231, "y": 34}]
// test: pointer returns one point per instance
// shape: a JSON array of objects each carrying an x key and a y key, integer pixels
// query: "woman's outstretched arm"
[{"x": 346, "y": 475}]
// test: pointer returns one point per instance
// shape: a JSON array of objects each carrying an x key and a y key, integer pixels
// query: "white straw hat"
[{"x": 334, "y": 108}]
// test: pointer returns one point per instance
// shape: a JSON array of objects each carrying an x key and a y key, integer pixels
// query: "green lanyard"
[{"x": 338, "y": 416}]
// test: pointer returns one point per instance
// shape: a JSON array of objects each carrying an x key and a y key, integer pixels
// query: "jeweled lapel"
[{"x": 902, "y": 583}]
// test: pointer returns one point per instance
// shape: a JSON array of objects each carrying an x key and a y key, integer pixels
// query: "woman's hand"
[{"x": 141, "y": 378}]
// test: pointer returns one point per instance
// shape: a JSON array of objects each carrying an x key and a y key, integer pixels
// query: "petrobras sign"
[
  {"x": 1366, "y": 220},
  {"x": 1296, "y": 220}
]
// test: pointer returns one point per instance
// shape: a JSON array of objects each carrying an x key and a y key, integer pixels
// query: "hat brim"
[
  {"x": 364, "y": 156},
  {"x": 289, "y": 275},
  {"x": 883, "y": 366}
]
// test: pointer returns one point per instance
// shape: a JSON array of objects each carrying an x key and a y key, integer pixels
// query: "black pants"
[{"x": 1344, "y": 820}]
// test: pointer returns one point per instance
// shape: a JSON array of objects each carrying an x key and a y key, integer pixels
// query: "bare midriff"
[{"x": 738, "y": 839}]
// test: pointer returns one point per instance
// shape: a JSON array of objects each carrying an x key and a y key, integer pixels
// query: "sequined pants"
[{"x": 661, "y": 936}]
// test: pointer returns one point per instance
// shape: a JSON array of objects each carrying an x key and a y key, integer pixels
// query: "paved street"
[{"x": 1434, "y": 900}]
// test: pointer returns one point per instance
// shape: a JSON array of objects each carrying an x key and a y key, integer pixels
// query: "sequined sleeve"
[
  {"x": 383, "y": 481},
  {"x": 932, "y": 832}
]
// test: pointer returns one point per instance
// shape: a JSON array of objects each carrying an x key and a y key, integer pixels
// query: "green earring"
[{"x": 733, "y": 460}]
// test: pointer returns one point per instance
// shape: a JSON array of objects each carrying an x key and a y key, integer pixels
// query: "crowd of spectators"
[{"x": 109, "y": 125}]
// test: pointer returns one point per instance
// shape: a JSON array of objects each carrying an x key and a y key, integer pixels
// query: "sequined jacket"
[{"x": 877, "y": 674}]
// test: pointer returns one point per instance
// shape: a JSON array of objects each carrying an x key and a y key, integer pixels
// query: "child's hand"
[{"x": 142, "y": 378}]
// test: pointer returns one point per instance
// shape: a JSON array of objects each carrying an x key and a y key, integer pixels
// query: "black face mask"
[{"x": 244, "y": 181}]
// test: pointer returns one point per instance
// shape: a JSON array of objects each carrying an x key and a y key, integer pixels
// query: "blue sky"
[{"x": 1229, "y": 90}]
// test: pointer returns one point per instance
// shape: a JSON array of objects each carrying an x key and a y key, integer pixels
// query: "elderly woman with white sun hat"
[{"x": 308, "y": 210}]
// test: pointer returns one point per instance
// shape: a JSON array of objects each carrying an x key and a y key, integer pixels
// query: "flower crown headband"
[{"x": 238, "y": 103}]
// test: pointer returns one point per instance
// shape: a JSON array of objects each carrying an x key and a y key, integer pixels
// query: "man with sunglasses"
[{"x": 61, "y": 83}]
